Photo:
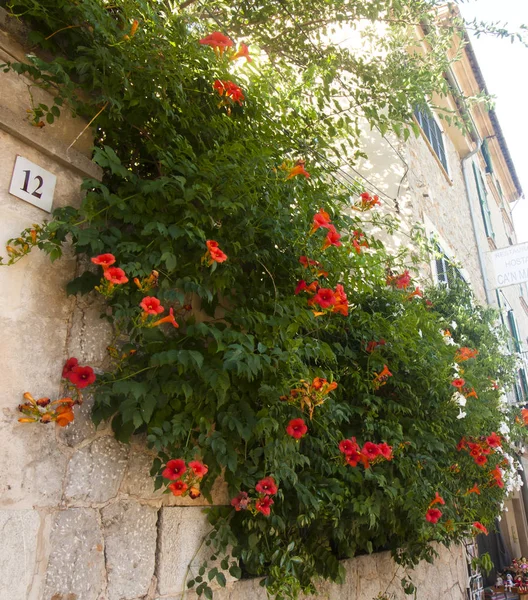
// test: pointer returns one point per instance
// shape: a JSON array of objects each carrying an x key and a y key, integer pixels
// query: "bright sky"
[{"x": 504, "y": 66}]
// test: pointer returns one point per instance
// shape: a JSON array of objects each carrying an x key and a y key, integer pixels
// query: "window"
[
  {"x": 486, "y": 156},
  {"x": 524, "y": 382},
  {"x": 433, "y": 133},
  {"x": 514, "y": 330},
  {"x": 483, "y": 199},
  {"x": 446, "y": 272}
]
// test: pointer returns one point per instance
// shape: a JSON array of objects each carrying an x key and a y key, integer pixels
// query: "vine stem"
[
  {"x": 191, "y": 562},
  {"x": 129, "y": 376},
  {"x": 272, "y": 281},
  {"x": 63, "y": 29},
  {"x": 390, "y": 582},
  {"x": 87, "y": 126}
]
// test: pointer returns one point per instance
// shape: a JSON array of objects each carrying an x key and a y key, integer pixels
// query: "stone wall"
[{"x": 79, "y": 517}]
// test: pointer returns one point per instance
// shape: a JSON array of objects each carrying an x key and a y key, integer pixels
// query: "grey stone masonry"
[
  {"x": 182, "y": 530},
  {"x": 18, "y": 548},
  {"x": 130, "y": 536},
  {"x": 95, "y": 471},
  {"x": 76, "y": 563}
]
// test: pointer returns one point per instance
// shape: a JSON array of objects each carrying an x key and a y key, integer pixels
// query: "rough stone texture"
[
  {"x": 182, "y": 531},
  {"x": 137, "y": 481},
  {"x": 130, "y": 536},
  {"x": 95, "y": 471},
  {"x": 366, "y": 577},
  {"x": 82, "y": 427},
  {"x": 90, "y": 335},
  {"x": 76, "y": 562},
  {"x": 18, "y": 551},
  {"x": 31, "y": 465}
]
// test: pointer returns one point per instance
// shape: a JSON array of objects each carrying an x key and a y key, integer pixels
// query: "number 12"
[{"x": 35, "y": 192}]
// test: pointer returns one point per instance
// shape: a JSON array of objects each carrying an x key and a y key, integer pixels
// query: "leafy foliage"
[{"x": 183, "y": 165}]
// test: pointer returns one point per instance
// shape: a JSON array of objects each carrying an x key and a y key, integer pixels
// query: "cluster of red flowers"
[
  {"x": 381, "y": 377},
  {"x": 61, "y": 410},
  {"x": 230, "y": 90},
  {"x": 45, "y": 411},
  {"x": 185, "y": 481},
  {"x": 227, "y": 89},
  {"x": 433, "y": 515},
  {"x": 460, "y": 384},
  {"x": 314, "y": 265},
  {"x": 308, "y": 396},
  {"x": 322, "y": 220},
  {"x": 373, "y": 344},
  {"x": 358, "y": 241},
  {"x": 402, "y": 281},
  {"x": 213, "y": 253},
  {"x": 480, "y": 449},
  {"x": 81, "y": 377},
  {"x": 220, "y": 43},
  {"x": 370, "y": 452},
  {"x": 496, "y": 475},
  {"x": 114, "y": 275},
  {"x": 334, "y": 301},
  {"x": 366, "y": 202},
  {"x": 265, "y": 488},
  {"x": 297, "y": 169},
  {"x": 152, "y": 306},
  {"x": 465, "y": 353}
]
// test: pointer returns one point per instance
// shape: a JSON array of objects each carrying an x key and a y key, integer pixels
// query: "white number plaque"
[{"x": 33, "y": 184}]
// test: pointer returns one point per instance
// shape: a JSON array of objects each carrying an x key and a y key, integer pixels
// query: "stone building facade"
[{"x": 79, "y": 517}]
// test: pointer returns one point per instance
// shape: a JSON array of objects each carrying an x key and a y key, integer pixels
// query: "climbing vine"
[{"x": 264, "y": 334}]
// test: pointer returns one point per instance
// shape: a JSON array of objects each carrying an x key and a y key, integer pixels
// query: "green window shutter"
[
  {"x": 487, "y": 156},
  {"x": 524, "y": 382},
  {"x": 514, "y": 331},
  {"x": 499, "y": 303},
  {"x": 433, "y": 133},
  {"x": 484, "y": 207}
]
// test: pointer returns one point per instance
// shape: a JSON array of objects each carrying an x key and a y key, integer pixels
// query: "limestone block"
[
  {"x": 95, "y": 471},
  {"x": 130, "y": 535},
  {"x": 248, "y": 589},
  {"x": 76, "y": 563},
  {"x": 90, "y": 335},
  {"x": 18, "y": 550},
  {"x": 32, "y": 465},
  {"x": 368, "y": 580},
  {"x": 137, "y": 481},
  {"x": 82, "y": 427},
  {"x": 181, "y": 531}
]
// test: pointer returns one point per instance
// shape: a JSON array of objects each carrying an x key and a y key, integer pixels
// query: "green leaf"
[
  {"x": 83, "y": 284},
  {"x": 235, "y": 572}
]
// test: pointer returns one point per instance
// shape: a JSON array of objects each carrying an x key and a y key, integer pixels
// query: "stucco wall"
[{"x": 79, "y": 518}]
